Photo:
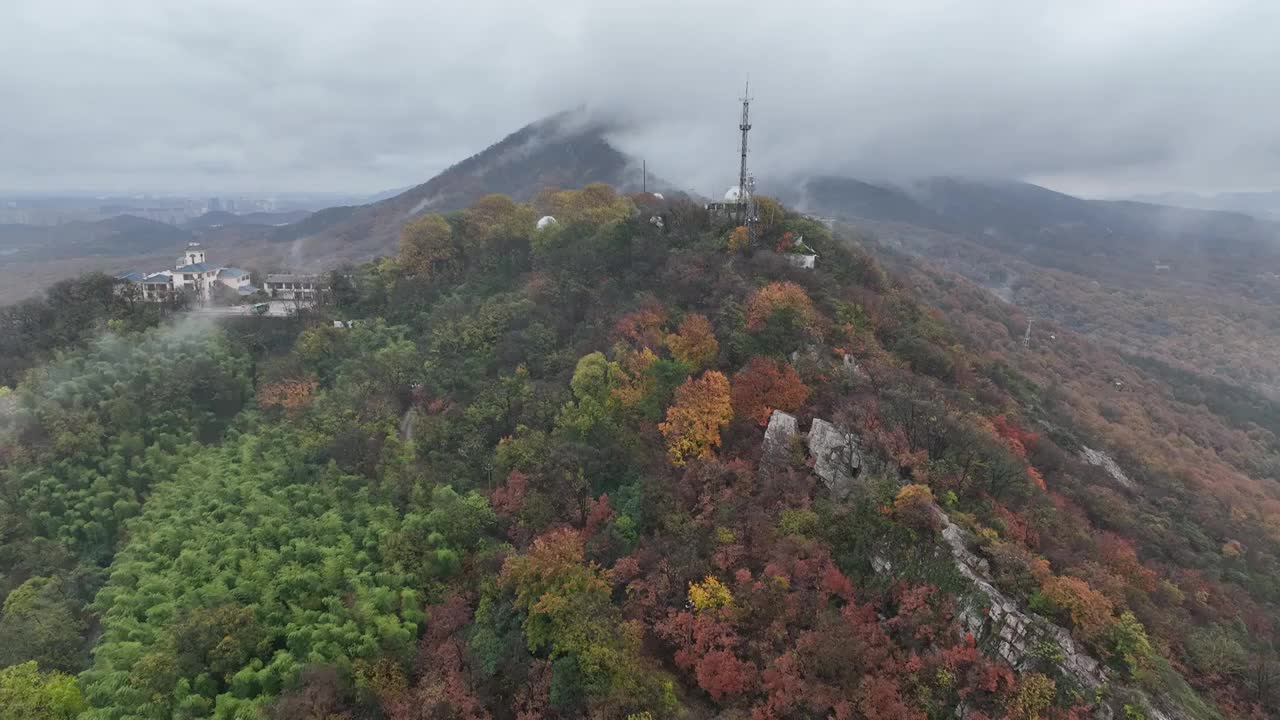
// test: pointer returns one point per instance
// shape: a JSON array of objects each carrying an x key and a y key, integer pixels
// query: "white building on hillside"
[
  {"x": 801, "y": 255},
  {"x": 193, "y": 276},
  {"x": 289, "y": 286}
]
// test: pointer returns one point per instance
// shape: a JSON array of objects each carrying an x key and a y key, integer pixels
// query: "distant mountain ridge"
[
  {"x": 1048, "y": 227},
  {"x": 1264, "y": 204},
  {"x": 118, "y": 236},
  {"x": 1198, "y": 290},
  {"x": 222, "y": 218}
]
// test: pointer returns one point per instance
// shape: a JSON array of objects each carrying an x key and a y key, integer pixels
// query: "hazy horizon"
[{"x": 1097, "y": 99}]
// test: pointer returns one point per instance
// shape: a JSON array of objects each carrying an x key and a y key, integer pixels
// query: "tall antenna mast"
[
  {"x": 1026, "y": 339},
  {"x": 644, "y": 176},
  {"x": 745, "y": 127}
]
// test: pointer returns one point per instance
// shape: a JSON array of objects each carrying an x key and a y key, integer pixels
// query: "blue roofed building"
[
  {"x": 193, "y": 276},
  {"x": 237, "y": 279}
]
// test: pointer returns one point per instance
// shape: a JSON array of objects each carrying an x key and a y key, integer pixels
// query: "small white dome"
[
  {"x": 546, "y": 221},
  {"x": 659, "y": 196},
  {"x": 733, "y": 195}
]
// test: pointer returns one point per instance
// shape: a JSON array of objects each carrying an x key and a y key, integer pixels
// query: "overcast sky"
[{"x": 1100, "y": 98}]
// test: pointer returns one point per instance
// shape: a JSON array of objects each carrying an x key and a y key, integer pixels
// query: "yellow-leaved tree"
[
  {"x": 597, "y": 204},
  {"x": 709, "y": 594},
  {"x": 693, "y": 423},
  {"x": 495, "y": 231},
  {"x": 427, "y": 248},
  {"x": 694, "y": 344},
  {"x": 738, "y": 239}
]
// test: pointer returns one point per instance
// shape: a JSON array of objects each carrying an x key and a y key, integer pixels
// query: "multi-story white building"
[
  {"x": 192, "y": 276},
  {"x": 288, "y": 286}
]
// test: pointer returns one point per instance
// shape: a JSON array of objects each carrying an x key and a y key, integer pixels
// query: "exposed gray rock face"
[
  {"x": 835, "y": 456},
  {"x": 835, "y": 452},
  {"x": 777, "y": 437},
  {"x": 1014, "y": 635},
  {"x": 1104, "y": 461},
  {"x": 849, "y": 365}
]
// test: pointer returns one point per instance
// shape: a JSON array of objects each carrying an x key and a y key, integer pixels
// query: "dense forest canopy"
[{"x": 531, "y": 480}]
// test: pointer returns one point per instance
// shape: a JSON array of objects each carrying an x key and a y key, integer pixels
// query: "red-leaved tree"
[{"x": 765, "y": 385}]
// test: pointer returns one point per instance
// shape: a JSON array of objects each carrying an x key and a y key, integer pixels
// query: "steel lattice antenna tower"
[
  {"x": 745, "y": 127},
  {"x": 1026, "y": 339},
  {"x": 746, "y": 183}
]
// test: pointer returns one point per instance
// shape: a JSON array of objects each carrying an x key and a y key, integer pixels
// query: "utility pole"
[{"x": 644, "y": 176}]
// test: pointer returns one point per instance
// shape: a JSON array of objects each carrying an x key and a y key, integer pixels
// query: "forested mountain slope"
[{"x": 533, "y": 481}]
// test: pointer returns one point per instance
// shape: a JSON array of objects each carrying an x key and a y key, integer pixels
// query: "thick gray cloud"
[{"x": 1099, "y": 97}]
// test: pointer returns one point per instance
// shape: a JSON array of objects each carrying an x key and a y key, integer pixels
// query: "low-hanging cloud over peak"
[{"x": 1097, "y": 97}]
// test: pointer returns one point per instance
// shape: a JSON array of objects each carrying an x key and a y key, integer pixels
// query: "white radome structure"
[
  {"x": 733, "y": 195},
  {"x": 546, "y": 221}
]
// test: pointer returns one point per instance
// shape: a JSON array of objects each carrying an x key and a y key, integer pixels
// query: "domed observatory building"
[{"x": 735, "y": 203}]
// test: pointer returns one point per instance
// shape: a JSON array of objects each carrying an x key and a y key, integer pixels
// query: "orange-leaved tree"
[
  {"x": 1088, "y": 610},
  {"x": 913, "y": 507},
  {"x": 643, "y": 327},
  {"x": 765, "y": 385},
  {"x": 780, "y": 297},
  {"x": 693, "y": 423},
  {"x": 738, "y": 239},
  {"x": 694, "y": 344}
]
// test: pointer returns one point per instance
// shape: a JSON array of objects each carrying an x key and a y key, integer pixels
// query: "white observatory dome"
[
  {"x": 546, "y": 221},
  {"x": 659, "y": 196},
  {"x": 733, "y": 195}
]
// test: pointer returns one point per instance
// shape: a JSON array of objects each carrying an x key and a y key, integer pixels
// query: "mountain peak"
[{"x": 566, "y": 150}]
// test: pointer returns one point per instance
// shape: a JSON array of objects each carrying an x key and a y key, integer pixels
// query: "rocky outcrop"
[
  {"x": 777, "y": 437},
  {"x": 835, "y": 457},
  {"x": 1015, "y": 636},
  {"x": 833, "y": 451},
  {"x": 849, "y": 365},
  {"x": 1104, "y": 461},
  {"x": 995, "y": 620}
]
